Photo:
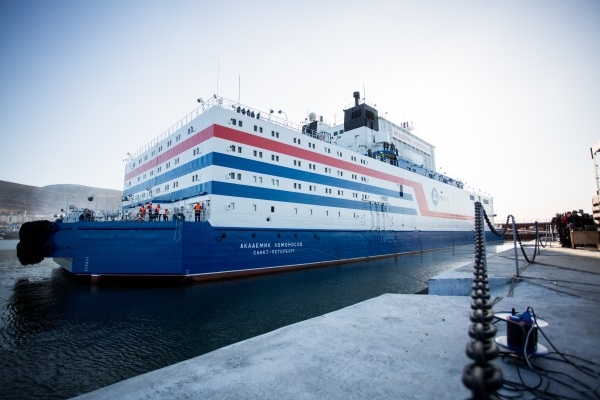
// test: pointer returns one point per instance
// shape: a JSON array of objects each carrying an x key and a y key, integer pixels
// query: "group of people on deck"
[{"x": 154, "y": 213}]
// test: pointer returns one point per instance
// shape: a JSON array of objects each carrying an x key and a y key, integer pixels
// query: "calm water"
[{"x": 61, "y": 337}]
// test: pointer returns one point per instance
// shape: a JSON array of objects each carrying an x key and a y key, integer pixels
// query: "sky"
[{"x": 507, "y": 91}]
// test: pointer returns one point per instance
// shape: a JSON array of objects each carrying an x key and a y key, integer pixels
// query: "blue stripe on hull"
[{"x": 196, "y": 248}]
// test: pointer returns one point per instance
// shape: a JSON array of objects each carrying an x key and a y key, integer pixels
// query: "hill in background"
[{"x": 48, "y": 200}]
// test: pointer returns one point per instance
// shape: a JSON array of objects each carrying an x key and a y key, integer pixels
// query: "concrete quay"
[{"x": 399, "y": 346}]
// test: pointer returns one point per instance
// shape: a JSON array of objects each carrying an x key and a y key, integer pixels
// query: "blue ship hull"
[{"x": 198, "y": 251}]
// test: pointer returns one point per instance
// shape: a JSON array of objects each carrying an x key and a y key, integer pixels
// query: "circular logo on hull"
[{"x": 434, "y": 196}]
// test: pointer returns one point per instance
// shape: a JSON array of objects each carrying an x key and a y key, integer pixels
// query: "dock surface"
[{"x": 396, "y": 345}]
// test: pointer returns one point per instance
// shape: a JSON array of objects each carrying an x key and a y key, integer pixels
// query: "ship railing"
[
  {"x": 204, "y": 106},
  {"x": 404, "y": 163},
  {"x": 269, "y": 116},
  {"x": 215, "y": 101}
]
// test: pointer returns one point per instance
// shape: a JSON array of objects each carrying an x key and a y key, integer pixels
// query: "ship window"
[
  {"x": 239, "y": 176},
  {"x": 272, "y": 208},
  {"x": 232, "y": 147},
  {"x": 486, "y": 201},
  {"x": 255, "y": 128},
  {"x": 295, "y": 210},
  {"x": 401, "y": 191},
  {"x": 260, "y": 129},
  {"x": 239, "y": 149},
  {"x": 471, "y": 196},
  {"x": 240, "y": 123},
  {"x": 233, "y": 121},
  {"x": 254, "y": 207}
]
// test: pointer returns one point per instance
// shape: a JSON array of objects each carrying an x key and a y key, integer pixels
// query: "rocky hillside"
[{"x": 49, "y": 200}]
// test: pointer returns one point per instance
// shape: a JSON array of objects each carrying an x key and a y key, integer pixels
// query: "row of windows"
[
  {"x": 311, "y": 211},
  {"x": 297, "y": 163},
  {"x": 160, "y": 148},
  {"x": 297, "y": 185},
  {"x": 485, "y": 201}
]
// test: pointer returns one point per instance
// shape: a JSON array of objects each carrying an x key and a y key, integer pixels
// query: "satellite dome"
[{"x": 312, "y": 117}]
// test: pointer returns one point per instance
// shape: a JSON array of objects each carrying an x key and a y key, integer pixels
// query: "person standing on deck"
[{"x": 197, "y": 209}]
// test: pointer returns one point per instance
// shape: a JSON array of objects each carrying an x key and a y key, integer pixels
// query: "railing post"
[
  {"x": 514, "y": 229},
  {"x": 537, "y": 237}
]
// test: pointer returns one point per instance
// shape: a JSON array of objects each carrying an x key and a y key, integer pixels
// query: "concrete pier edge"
[{"x": 394, "y": 345}]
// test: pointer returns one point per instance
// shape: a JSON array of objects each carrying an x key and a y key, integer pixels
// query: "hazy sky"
[{"x": 508, "y": 91}]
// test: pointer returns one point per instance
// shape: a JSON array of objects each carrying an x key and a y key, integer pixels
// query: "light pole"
[{"x": 286, "y": 117}]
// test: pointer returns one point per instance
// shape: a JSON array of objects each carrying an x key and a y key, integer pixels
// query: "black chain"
[
  {"x": 489, "y": 224},
  {"x": 534, "y": 247},
  {"x": 503, "y": 231},
  {"x": 482, "y": 377}
]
